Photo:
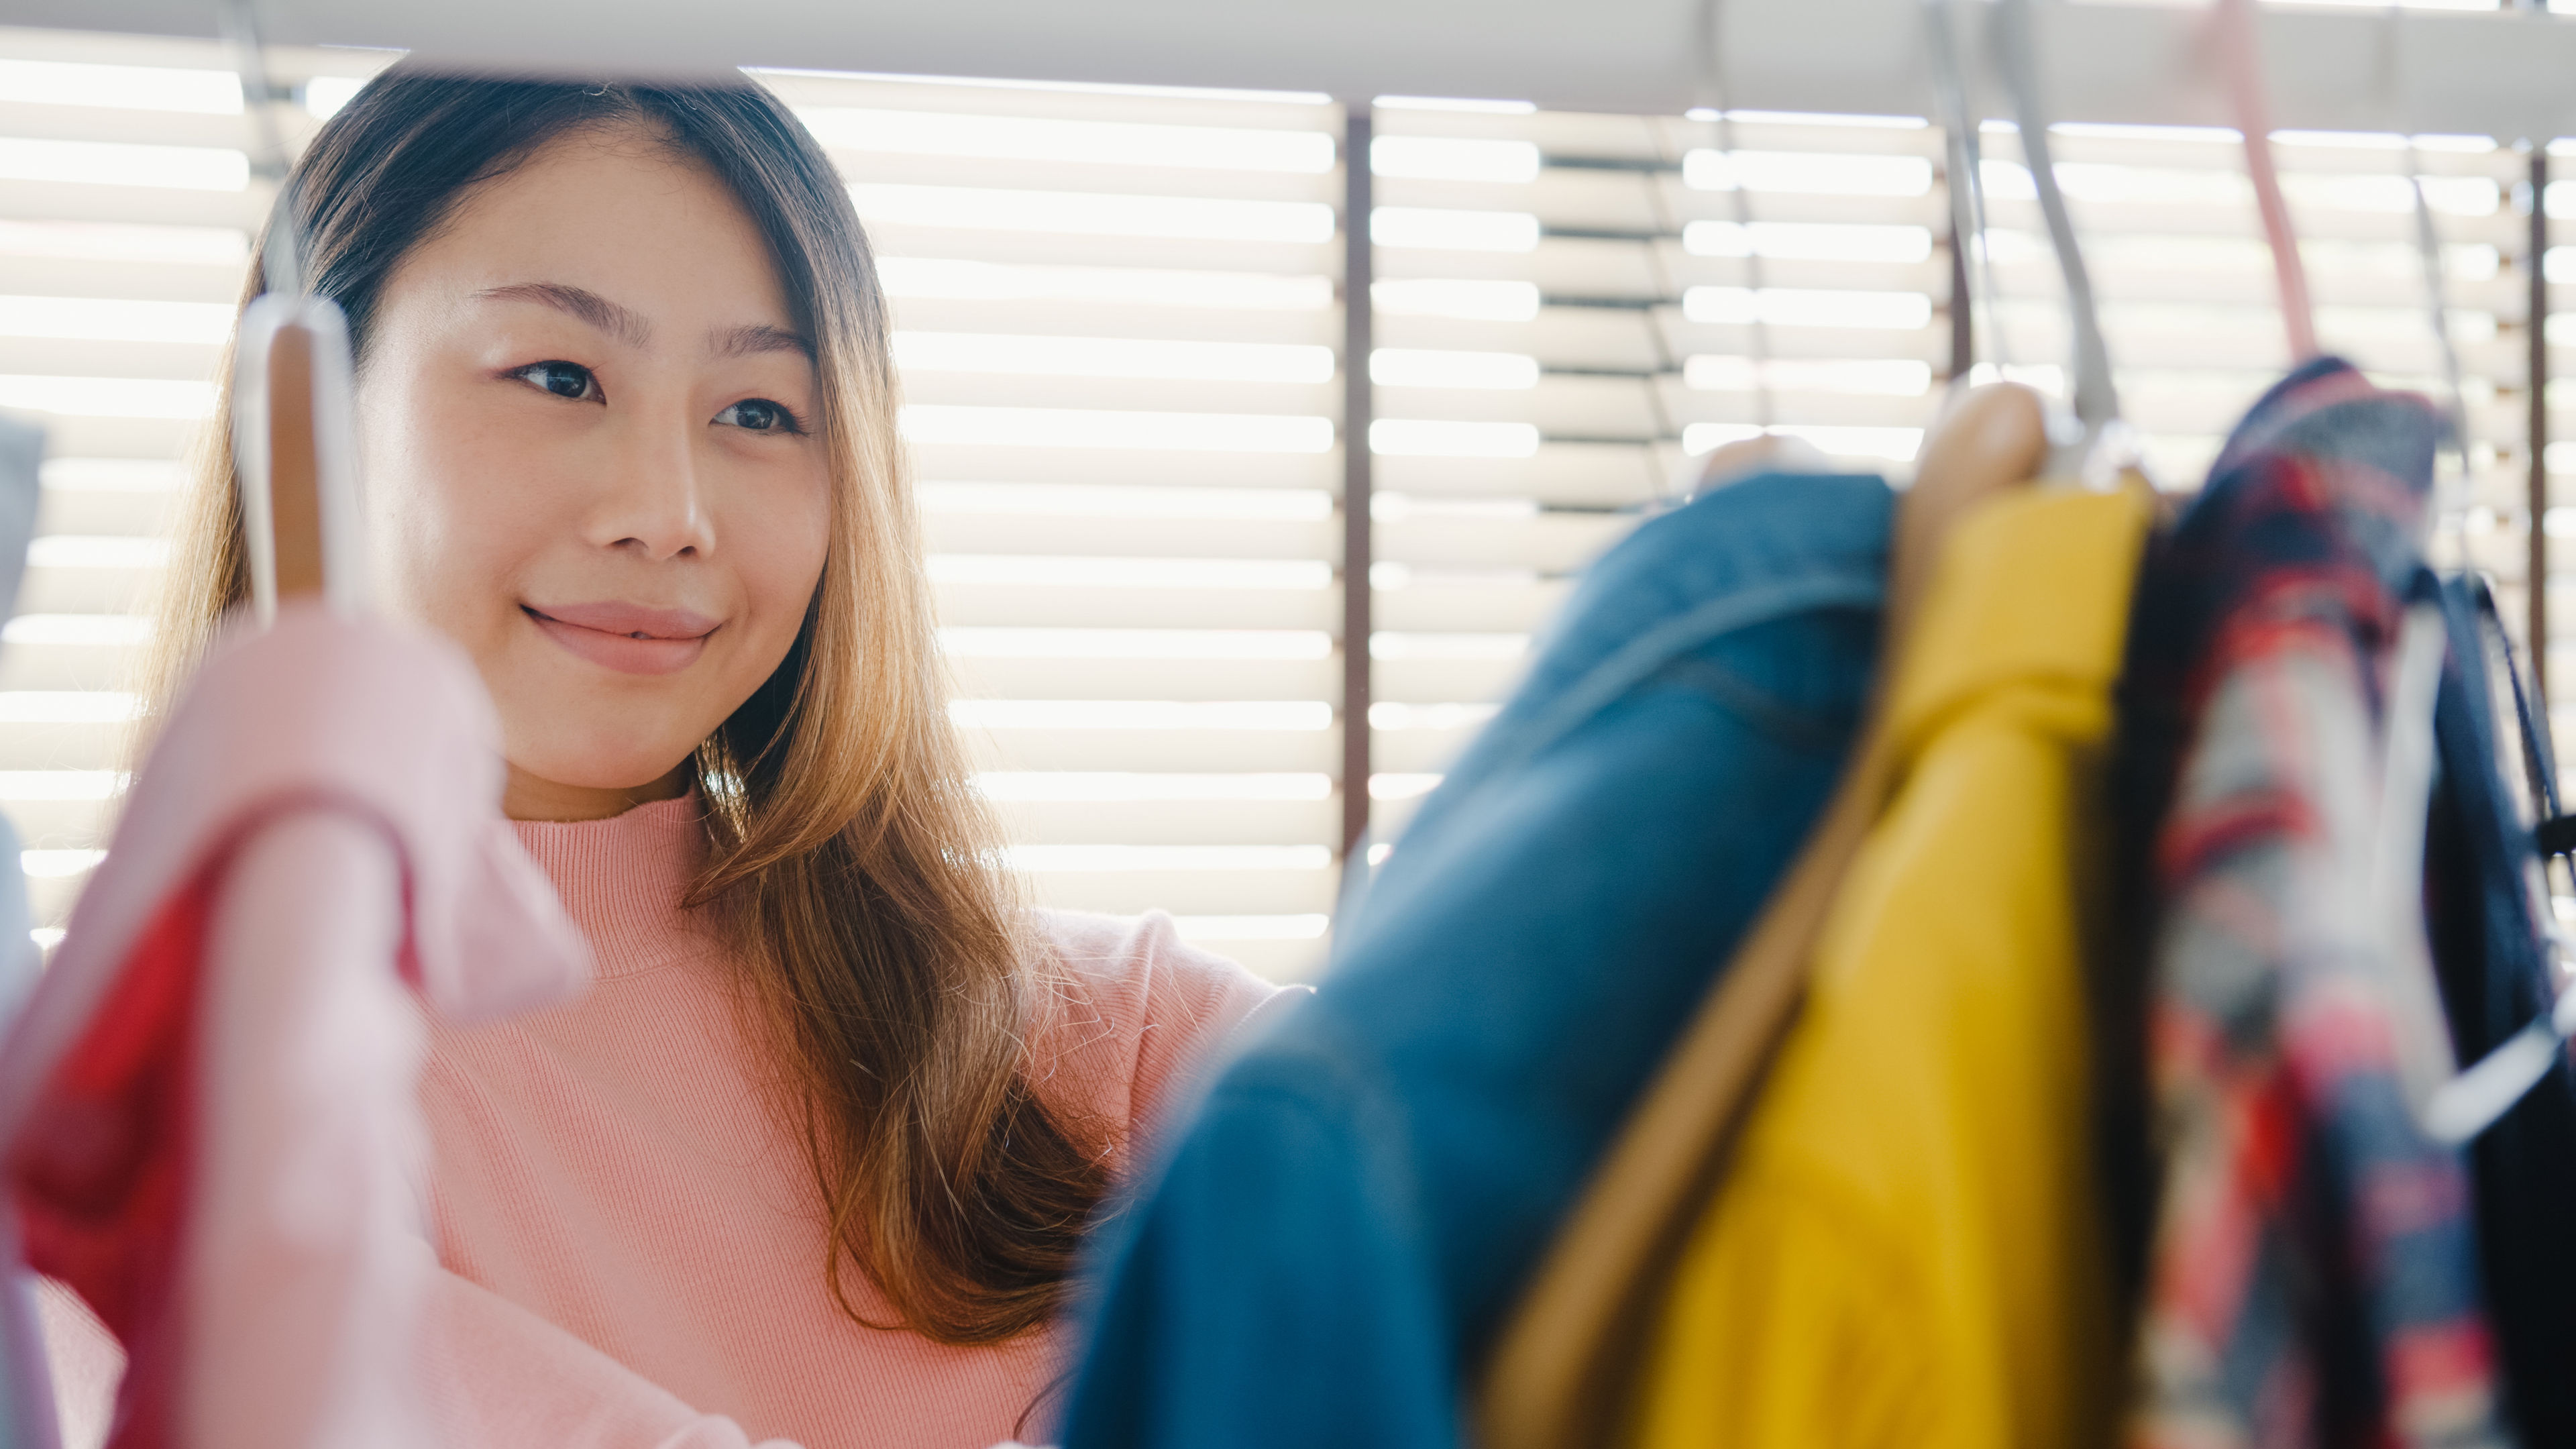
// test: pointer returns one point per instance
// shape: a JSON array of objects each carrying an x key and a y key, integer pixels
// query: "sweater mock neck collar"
[{"x": 621, "y": 880}]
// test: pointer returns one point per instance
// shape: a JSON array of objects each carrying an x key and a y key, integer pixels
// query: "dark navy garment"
[
  {"x": 2495, "y": 980},
  {"x": 1330, "y": 1240}
]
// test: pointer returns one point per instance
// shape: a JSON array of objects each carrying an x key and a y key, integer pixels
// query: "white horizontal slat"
[
  {"x": 33, "y": 272},
  {"x": 83, "y": 357},
  {"x": 1559, "y": 404},
  {"x": 42, "y": 200},
  {"x": 1431, "y": 602},
  {"x": 1163, "y": 822},
  {"x": 133, "y": 511},
  {"x": 1201, "y": 679},
  {"x": 1618, "y": 339},
  {"x": 87, "y": 590},
  {"x": 896, "y": 238},
  {"x": 934, "y": 96},
  {"x": 1685, "y": 405},
  {"x": 1129, "y": 534},
  {"x": 64, "y": 746},
  {"x": 1115, "y": 608},
  {"x": 92, "y": 436},
  {"x": 1060, "y": 317},
  {"x": 1202, "y": 751},
  {"x": 1121, "y": 467},
  {"x": 1443, "y": 681},
  {"x": 1544, "y": 542},
  {"x": 59, "y": 824},
  {"x": 1196, "y": 184},
  {"x": 1687, "y": 338},
  {"x": 1249, "y": 892},
  {"x": 122, "y": 125},
  {"x": 1578, "y": 474},
  {"x": 1418, "y": 751},
  {"x": 1089, "y": 394},
  {"x": 1285, "y": 962},
  {"x": 34, "y": 664}
]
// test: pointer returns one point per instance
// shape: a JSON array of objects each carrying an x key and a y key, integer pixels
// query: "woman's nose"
[{"x": 656, "y": 500}]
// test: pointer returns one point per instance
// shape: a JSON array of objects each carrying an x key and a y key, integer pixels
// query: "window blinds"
[
  {"x": 1632, "y": 264},
  {"x": 1117, "y": 320},
  {"x": 126, "y": 208},
  {"x": 1114, "y": 319}
]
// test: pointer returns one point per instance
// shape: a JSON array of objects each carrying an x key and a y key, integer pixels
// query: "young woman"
[{"x": 813, "y": 1157}]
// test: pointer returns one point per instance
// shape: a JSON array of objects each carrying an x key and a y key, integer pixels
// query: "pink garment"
[
  {"x": 208, "y": 1104},
  {"x": 634, "y": 1241}
]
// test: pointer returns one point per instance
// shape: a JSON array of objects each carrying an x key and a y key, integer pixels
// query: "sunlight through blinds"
[
  {"x": 1118, "y": 315},
  {"x": 1566, "y": 308},
  {"x": 1115, "y": 316}
]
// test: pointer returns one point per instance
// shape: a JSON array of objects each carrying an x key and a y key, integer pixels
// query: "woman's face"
[{"x": 589, "y": 450}]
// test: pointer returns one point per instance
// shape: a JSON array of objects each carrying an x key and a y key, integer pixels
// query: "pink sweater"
[{"x": 633, "y": 1243}]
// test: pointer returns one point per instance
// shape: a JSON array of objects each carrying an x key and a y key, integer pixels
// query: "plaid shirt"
[{"x": 2312, "y": 1278}]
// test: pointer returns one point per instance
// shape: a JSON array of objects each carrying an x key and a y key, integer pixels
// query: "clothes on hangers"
[
  {"x": 207, "y": 1119},
  {"x": 1905, "y": 1249},
  {"x": 2495, "y": 976},
  {"x": 2313, "y": 1278},
  {"x": 1360, "y": 1195},
  {"x": 1562, "y": 1368}
]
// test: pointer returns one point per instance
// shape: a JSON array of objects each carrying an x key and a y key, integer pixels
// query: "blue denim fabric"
[{"x": 1331, "y": 1240}]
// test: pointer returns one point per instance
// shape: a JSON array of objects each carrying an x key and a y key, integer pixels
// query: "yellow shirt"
[{"x": 1906, "y": 1250}]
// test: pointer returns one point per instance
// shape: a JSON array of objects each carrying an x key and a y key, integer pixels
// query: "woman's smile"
[{"x": 629, "y": 638}]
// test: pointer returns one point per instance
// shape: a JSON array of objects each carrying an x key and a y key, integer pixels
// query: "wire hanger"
[
  {"x": 2240, "y": 49},
  {"x": 1966, "y": 149},
  {"x": 1771, "y": 448},
  {"x": 294, "y": 413},
  {"x": 2451, "y": 491},
  {"x": 2101, "y": 447},
  {"x": 1709, "y": 85}
]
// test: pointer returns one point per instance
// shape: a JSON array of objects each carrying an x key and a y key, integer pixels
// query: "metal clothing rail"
[{"x": 2500, "y": 74}]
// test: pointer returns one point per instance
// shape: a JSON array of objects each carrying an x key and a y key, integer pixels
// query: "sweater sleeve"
[
  {"x": 1138, "y": 1016},
  {"x": 492, "y": 1374}
]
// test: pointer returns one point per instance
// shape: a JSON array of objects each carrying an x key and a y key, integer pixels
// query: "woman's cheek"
[
  {"x": 784, "y": 543},
  {"x": 466, "y": 507}
]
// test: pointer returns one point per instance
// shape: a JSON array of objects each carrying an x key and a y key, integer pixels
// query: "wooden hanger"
[
  {"x": 294, "y": 449},
  {"x": 294, "y": 404},
  {"x": 1560, "y": 1369},
  {"x": 294, "y": 466}
]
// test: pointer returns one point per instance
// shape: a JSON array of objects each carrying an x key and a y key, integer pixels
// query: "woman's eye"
[
  {"x": 563, "y": 379},
  {"x": 759, "y": 415}
]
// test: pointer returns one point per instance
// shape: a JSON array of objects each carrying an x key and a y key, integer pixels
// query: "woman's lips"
[{"x": 628, "y": 638}]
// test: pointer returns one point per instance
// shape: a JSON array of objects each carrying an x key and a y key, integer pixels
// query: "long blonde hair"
[{"x": 854, "y": 864}]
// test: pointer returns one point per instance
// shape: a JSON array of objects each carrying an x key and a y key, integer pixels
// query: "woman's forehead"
[{"x": 640, "y": 236}]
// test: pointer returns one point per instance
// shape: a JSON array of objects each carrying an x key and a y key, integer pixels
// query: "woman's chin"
[{"x": 588, "y": 790}]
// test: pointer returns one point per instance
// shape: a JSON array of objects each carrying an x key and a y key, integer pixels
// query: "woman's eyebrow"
[
  {"x": 624, "y": 324},
  {"x": 760, "y": 337}
]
